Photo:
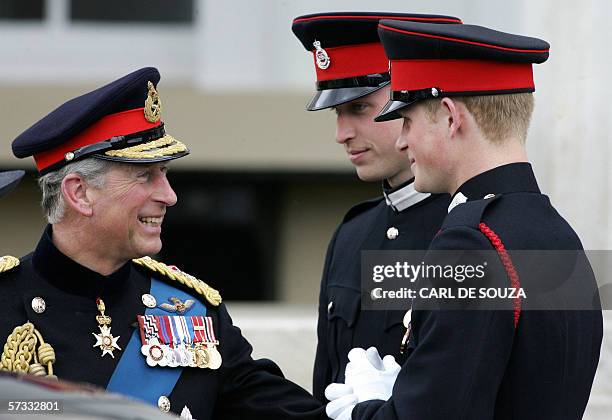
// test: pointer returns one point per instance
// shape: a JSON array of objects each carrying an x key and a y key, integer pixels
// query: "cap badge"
[
  {"x": 323, "y": 60},
  {"x": 153, "y": 105}
]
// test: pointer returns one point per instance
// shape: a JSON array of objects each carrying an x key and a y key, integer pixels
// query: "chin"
[
  {"x": 150, "y": 248},
  {"x": 369, "y": 176},
  {"x": 427, "y": 186}
]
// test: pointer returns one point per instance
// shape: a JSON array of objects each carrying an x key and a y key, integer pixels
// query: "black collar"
[
  {"x": 68, "y": 275},
  {"x": 403, "y": 196},
  {"x": 510, "y": 178}
]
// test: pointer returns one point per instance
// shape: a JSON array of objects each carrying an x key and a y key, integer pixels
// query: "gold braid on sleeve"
[
  {"x": 211, "y": 295},
  {"x": 22, "y": 356}
]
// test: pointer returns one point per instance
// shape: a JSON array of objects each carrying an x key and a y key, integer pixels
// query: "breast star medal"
[{"x": 105, "y": 339}]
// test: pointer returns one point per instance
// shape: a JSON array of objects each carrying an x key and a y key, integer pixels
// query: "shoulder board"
[
  {"x": 7, "y": 263},
  {"x": 469, "y": 213},
  {"x": 171, "y": 272},
  {"x": 361, "y": 207}
]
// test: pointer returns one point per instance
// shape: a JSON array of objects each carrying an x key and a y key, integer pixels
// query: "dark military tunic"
[
  {"x": 342, "y": 325},
  {"x": 475, "y": 364},
  {"x": 240, "y": 388}
]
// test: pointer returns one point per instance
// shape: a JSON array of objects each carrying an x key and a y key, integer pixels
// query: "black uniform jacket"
[
  {"x": 242, "y": 388},
  {"x": 342, "y": 325},
  {"x": 476, "y": 364}
]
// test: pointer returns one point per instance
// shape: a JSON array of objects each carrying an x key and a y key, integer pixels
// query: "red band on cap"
[
  {"x": 119, "y": 124},
  {"x": 353, "y": 60},
  {"x": 460, "y": 75}
]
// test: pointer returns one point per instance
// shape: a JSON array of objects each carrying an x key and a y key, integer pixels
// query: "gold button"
[
  {"x": 149, "y": 300},
  {"x": 39, "y": 305},
  {"x": 392, "y": 233},
  {"x": 164, "y": 404}
]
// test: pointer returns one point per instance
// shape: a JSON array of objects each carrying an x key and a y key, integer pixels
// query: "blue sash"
[{"x": 133, "y": 376}]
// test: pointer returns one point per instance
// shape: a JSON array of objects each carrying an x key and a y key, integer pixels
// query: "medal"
[
  {"x": 105, "y": 339},
  {"x": 214, "y": 357},
  {"x": 174, "y": 341}
]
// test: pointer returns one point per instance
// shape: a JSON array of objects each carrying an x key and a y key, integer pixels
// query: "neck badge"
[
  {"x": 172, "y": 341},
  {"x": 105, "y": 339}
]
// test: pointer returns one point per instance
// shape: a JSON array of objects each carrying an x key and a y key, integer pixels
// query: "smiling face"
[
  {"x": 370, "y": 146},
  {"x": 426, "y": 143},
  {"x": 127, "y": 212}
]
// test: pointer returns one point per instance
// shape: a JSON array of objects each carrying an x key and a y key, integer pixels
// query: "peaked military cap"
[
  {"x": 120, "y": 121},
  {"x": 9, "y": 180},
  {"x": 349, "y": 59},
  {"x": 429, "y": 61}
]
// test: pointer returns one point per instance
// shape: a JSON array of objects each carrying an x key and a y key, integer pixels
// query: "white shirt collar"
[
  {"x": 459, "y": 198},
  {"x": 405, "y": 197}
]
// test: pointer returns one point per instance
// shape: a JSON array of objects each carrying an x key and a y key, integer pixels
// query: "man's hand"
[
  {"x": 371, "y": 377},
  {"x": 342, "y": 400}
]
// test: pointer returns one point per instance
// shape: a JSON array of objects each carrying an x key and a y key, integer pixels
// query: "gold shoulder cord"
[
  {"x": 8, "y": 263},
  {"x": 20, "y": 349},
  {"x": 212, "y": 296}
]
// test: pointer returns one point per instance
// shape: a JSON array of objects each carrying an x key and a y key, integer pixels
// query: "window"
[
  {"x": 22, "y": 9},
  {"x": 145, "y": 11}
]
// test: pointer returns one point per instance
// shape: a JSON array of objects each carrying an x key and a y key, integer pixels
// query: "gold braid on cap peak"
[
  {"x": 8, "y": 263},
  {"x": 212, "y": 296},
  {"x": 20, "y": 354},
  {"x": 165, "y": 146}
]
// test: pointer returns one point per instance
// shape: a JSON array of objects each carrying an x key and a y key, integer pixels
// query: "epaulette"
[
  {"x": 7, "y": 263},
  {"x": 212, "y": 296},
  {"x": 361, "y": 207},
  {"x": 469, "y": 213}
]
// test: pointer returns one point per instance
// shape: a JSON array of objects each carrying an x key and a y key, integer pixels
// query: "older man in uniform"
[
  {"x": 353, "y": 79},
  {"x": 88, "y": 305},
  {"x": 465, "y": 95}
]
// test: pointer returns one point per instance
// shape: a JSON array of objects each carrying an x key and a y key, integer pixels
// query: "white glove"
[
  {"x": 341, "y": 401},
  {"x": 370, "y": 377}
]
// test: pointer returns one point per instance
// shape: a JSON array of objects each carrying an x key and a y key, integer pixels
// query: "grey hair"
[{"x": 93, "y": 172}]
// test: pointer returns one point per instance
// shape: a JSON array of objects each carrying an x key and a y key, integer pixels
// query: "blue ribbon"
[{"x": 133, "y": 376}]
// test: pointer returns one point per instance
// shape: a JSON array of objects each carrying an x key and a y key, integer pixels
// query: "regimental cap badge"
[
  {"x": 153, "y": 105},
  {"x": 323, "y": 60}
]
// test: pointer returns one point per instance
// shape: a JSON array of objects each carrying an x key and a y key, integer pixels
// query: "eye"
[
  {"x": 144, "y": 174},
  {"x": 359, "y": 106}
]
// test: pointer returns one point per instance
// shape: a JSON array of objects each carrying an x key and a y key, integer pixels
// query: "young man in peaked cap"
[
  {"x": 465, "y": 96},
  {"x": 92, "y": 306},
  {"x": 353, "y": 79}
]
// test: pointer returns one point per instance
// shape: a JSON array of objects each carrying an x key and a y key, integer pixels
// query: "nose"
[
  {"x": 165, "y": 193},
  {"x": 401, "y": 144},
  {"x": 345, "y": 131}
]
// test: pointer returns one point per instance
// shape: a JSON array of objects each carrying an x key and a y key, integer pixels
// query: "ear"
[
  {"x": 453, "y": 117},
  {"x": 74, "y": 190}
]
